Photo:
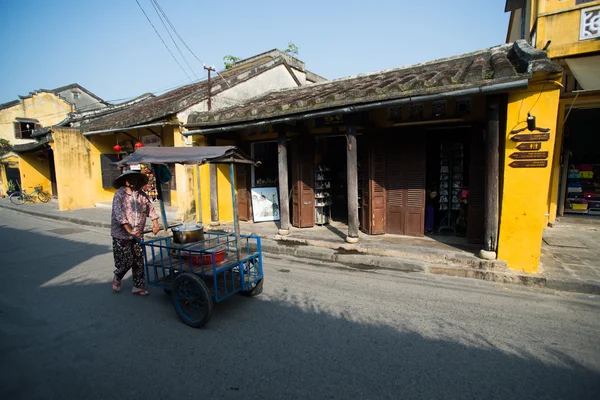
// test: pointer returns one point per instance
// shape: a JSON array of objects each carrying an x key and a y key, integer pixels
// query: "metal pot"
[{"x": 188, "y": 233}]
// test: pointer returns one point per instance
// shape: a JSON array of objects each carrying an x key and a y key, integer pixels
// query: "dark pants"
[
  {"x": 429, "y": 218},
  {"x": 128, "y": 255}
]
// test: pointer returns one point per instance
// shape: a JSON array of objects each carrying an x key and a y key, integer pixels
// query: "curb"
[
  {"x": 495, "y": 271},
  {"x": 65, "y": 218}
]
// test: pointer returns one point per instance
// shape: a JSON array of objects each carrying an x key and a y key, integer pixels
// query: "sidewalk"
[{"x": 326, "y": 244}]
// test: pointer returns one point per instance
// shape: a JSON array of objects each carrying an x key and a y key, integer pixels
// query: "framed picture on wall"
[{"x": 265, "y": 204}]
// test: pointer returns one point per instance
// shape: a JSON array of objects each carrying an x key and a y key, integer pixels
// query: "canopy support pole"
[
  {"x": 163, "y": 213},
  {"x": 236, "y": 219},
  {"x": 198, "y": 197}
]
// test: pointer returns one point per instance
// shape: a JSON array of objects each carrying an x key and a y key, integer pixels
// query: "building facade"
[
  {"x": 569, "y": 31},
  {"x": 434, "y": 146}
]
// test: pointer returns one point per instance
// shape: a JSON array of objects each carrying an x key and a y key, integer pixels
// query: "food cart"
[{"x": 212, "y": 266}]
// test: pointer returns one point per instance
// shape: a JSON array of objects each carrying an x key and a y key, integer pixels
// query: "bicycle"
[{"x": 21, "y": 197}]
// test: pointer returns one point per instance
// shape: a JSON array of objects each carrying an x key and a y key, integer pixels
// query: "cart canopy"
[{"x": 187, "y": 155}]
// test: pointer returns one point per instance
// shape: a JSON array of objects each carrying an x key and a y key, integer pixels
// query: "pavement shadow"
[{"x": 277, "y": 345}]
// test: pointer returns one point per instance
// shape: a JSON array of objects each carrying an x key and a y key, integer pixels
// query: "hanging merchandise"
[
  {"x": 451, "y": 183},
  {"x": 322, "y": 196},
  {"x": 150, "y": 189}
]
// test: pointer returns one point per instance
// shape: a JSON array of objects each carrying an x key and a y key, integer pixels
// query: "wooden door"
[
  {"x": 373, "y": 189},
  {"x": 476, "y": 197},
  {"x": 243, "y": 191},
  {"x": 405, "y": 178},
  {"x": 303, "y": 195}
]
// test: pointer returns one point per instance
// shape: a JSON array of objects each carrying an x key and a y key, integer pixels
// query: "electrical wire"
[
  {"x": 172, "y": 39},
  {"x": 175, "y": 30},
  {"x": 161, "y": 39}
]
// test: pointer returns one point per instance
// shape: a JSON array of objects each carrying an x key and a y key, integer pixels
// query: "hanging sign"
[
  {"x": 529, "y": 146},
  {"x": 529, "y": 164},
  {"x": 529, "y": 155},
  {"x": 151, "y": 141},
  {"x": 531, "y": 137}
]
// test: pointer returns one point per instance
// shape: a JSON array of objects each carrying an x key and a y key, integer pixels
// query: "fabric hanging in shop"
[
  {"x": 163, "y": 175},
  {"x": 586, "y": 71}
]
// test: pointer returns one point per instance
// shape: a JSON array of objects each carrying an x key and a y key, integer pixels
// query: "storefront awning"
[
  {"x": 187, "y": 155},
  {"x": 586, "y": 71}
]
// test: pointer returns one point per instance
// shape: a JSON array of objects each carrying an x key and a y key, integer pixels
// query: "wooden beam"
[
  {"x": 158, "y": 135},
  {"x": 282, "y": 167},
  {"x": 492, "y": 180},
  {"x": 352, "y": 176},
  {"x": 214, "y": 189}
]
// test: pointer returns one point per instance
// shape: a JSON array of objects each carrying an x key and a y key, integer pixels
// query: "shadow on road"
[{"x": 74, "y": 338}]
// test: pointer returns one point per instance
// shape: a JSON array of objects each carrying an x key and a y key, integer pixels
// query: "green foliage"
[
  {"x": 292, "y": 49},
  {"x": 5, "y": 146},
  {"x": 230, "y": 61},
  {"x": 12, "y": 185}
]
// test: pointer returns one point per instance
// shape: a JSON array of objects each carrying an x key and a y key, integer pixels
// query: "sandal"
[
  {"x": 116, "y": 285},
  {"x": 140, "y": 292}
]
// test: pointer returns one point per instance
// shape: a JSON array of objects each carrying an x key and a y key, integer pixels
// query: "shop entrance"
[
  {"x": 580, "y": 188},
  {"x": 330, "y": 181}
]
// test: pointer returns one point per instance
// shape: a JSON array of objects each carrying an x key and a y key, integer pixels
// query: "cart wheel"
[
  {"x": 192, "y": 300},
  {"x": 253, "y": 290}
]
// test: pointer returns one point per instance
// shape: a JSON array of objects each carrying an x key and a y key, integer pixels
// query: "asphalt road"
[{"x": 317, "y": 332}]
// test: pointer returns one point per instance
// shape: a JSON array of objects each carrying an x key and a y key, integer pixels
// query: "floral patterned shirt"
[{"x": 130, "y": 208}]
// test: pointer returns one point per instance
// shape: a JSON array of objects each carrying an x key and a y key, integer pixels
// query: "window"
[
  {"x": 24, "y": 129},
  {"x": 577, "y": 2},
  {"x": 110, "y": 172}
]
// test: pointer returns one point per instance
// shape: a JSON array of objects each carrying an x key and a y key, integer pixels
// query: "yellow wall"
[
  {"x": 100, "y": 145},
  {"x": 73, "y": 166},
  {"x": 35, "y": 171},
  {"x": 525, "y": 190},
  {"x": 559, "y": 21},
  {"x": 47, "y": 108}
]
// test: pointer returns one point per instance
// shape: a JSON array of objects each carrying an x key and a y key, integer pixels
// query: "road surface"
[{"x": 317, "y": 332}]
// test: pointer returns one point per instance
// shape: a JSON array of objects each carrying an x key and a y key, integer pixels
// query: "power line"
[
  {"x": 161, "y": 39},
  {"x": 175, "y": 30},
  {"x": 171, "y": 36}
]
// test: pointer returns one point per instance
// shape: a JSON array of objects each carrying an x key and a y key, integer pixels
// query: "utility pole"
[{"x": 209, "y": 69}]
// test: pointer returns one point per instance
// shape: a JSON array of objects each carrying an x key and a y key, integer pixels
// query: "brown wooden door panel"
[
  {"x": 241, "y": 181},
  {"x": 303, "y": 195},
  {"x": 378, "y": 209},
  {"x": 395, "y": 195},
  {"x": 405, "y": 180}
]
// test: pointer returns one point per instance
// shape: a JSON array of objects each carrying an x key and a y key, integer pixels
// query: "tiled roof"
[
  {"x": 177, "y": 100},
  {"x": 55, "y": 91},
  {"x": 501, "y": 64},
  {"x": 33, "y": 146}
]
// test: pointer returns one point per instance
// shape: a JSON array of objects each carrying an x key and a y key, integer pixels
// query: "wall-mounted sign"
[
  {"x": 151, "y": 141},
  {"x": 529, "y": 155},
  {"x": 529, "y": 146},
  {"x": 531, "y": 137},
  {"x": 529, "y": 164}
]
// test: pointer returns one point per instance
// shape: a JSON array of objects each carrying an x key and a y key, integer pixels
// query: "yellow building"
[
  {"x": 369, "y": 151},
  {"x": 85, "y": 150},
  {"x": 569, "y": 30},
  {"x": 22, "y": 118}
]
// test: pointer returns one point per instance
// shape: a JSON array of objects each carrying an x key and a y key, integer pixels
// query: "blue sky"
[{"x": 109, "y": 47}]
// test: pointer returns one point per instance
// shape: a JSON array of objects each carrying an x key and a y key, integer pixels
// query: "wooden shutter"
[
  {"x": 374, "y": 207},
  {"x": 303, "y": 195},
  {"x": 476, "y": 199},
  {"x": 109, "y": 172},
  {"x": 405, "y": 178},
  {"x": 241, "y": 179},
  {"x": 414, "y": 219},
  {"x": 18, "y": 134}
]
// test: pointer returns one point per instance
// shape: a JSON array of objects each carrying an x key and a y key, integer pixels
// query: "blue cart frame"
[{"x": 183, "y": 270}]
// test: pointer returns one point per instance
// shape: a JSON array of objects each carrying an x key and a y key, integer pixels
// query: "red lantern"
[
  {"x": 139, "y": 145},
  {"x": 117, "y": 148}
]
